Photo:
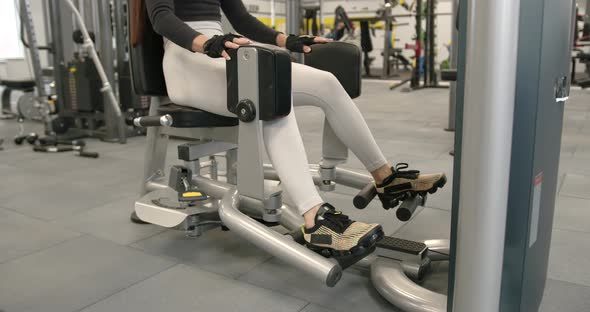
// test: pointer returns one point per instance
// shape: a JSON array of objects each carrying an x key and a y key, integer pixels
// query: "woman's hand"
[
  {"x": 299, "y": 44},
  {"x": 217, "y": 46}
]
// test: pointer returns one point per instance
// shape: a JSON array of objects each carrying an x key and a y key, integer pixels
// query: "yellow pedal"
[{"x": 191, "y": 196}]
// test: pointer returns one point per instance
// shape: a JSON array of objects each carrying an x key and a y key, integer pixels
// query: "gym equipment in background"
[
  {"x": 84, "y": 107},
  {"x": 424, "y": 73}
]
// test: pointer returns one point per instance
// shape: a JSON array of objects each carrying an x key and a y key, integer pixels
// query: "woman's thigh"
[
  {"x": 314, "y": 87},
  {"x": 195, "y": 80}
]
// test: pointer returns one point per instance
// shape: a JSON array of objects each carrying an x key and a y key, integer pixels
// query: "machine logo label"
[{"x": 537, "y": 185}]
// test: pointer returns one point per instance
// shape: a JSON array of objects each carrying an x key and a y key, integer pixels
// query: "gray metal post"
[
  {"x": 387, "y": 40},
  {"x": 454, "y": 55},
  {"x": 43, "y": 106},
  {"x": 321, "y": 16},
  {"x": 47, "y": 26},
  {"x": 487, "y": 144},
  {"x": 120, "y": 40},
  {"x": 293, "y": 12},
  {"x": 54, "y": 15},
  {"x": 273, "y": 14},
  {"x": 106, "y": 50}
]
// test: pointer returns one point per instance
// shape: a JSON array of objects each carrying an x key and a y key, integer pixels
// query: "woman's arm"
[
  {"x": 248, "y": 25},
  {"x": 167, "y": 24}
]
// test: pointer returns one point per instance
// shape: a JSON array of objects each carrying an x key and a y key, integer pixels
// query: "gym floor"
[{"x": 66, "y": 243}]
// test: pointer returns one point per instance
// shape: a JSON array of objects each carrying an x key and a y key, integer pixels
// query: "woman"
[{"x": 194, "y": 69}]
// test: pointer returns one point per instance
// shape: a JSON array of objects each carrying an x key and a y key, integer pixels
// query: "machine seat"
[
  {"x": 24, "y": 85},
  {"x": 188, "y": 117}
]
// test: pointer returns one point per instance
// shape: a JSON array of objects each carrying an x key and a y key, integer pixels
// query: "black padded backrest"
[
  {"x": 341, "y": 59},
  {"x": 146, "y": 59}
]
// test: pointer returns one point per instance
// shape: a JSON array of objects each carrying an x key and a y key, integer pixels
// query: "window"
[{"x": 9, "y": 31}]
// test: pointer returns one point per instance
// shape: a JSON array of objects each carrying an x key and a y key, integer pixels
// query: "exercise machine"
[
  {"x": 502, "y": 207},
  {"x": 244, "y": 198},
  {"x": 84, "y": 104}
]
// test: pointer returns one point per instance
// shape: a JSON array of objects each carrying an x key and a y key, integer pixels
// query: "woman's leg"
[
  {"x": 198, "y": 81},
  {"x": 319, "y": 88}
]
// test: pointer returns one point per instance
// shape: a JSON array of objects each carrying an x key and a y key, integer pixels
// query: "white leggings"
[{"x": 194, "y": 79}]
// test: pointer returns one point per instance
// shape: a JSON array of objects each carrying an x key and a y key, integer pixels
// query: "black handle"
[
  {"x": 88, "y": 154},
  {"x": 153, "y": 121},
  {"x": 449, "y": 75},
  {"x": 365, "y": 196}
]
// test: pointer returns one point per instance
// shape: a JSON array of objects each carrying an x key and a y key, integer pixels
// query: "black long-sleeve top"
[{"x": 168, "y": 17}]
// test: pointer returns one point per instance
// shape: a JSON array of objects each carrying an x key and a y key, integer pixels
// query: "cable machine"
[{"x": 424, "y": 73}]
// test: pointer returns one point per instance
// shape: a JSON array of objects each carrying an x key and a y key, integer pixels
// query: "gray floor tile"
[
  {"x": 574, "y": 165},
  {"x": 583, "y": 152},
  {"x": 315, "y": 308},
  {"x": 182, "y": 288},
  {"x": 73, "y": 275},
  {"x": 134, "y": 152},
  {"x": 354, "y": 292},
  {"x": 61, "y": 200},
  {"x": 111, "y": 222},
  {"x": 19, "y": 156},
  {"x": 125, "y": 172},
  {"x": 565, "y": 297},
  {"x": 576, "y": 185},
  {"x": 61, "y": 163},
  {"x": 569, "y": 258},
  {"x": 21, "y": 235},
  {"x": 215, "y": 251},
  {"x": 428, "y": 224},
  {"x": 572, "y": 213},
  {"x": 15, "y": 180}
]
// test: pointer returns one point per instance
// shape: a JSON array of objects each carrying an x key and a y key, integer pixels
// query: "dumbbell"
[
  {"x": 31, "y": 138},
  {"x": 79, "y": 145}
]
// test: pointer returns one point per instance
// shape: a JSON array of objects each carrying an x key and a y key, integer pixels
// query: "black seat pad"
[
  {"x": 24, "y": 85},
  {"x": 188, "y": 117}
]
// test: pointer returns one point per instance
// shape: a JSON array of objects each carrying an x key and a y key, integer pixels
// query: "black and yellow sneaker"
[
  {"x": 407, "y": 183},
  {"x": 334, "y": 234}
]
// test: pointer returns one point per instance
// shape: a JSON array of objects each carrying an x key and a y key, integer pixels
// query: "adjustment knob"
[{"x": 246, "y": 111}]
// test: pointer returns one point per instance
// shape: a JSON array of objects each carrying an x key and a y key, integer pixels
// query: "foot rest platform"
[
  {"x": 401, "y": 249},
  {"x": 162, "y": 208},
  {"x": 344, "y": 261}
]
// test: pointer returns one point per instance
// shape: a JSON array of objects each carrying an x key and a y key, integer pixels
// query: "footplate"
[
  {"x": 345, "y": 260},
  {"x": 409, "y": 202},
  {"x": 401, "y": 249},
  {"x": 163, "y": 208}
]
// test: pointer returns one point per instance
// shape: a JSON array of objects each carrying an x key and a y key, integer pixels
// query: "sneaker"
[
  {"x": 334, "y": 234},
  {"x": 403, "y": 184}
]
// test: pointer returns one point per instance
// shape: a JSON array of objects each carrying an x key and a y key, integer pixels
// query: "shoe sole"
[
  {"x": 400, "y": 196},
  {"x": 365, "y": 244}
]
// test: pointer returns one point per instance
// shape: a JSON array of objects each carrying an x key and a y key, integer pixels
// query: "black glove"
[
  {"x": 296, "y": 43},
  {"x": 216, "y": 45}
]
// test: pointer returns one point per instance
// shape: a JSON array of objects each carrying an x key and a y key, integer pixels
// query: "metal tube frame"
[
  {"x": 486, "y": 144},
  {"x": 276, "y": 244},
  {"x": 236, "y": 212},
  {"x": 454, "y": 57},
  {"x": 41, "y": 96}
]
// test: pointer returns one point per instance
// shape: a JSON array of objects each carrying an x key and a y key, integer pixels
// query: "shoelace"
[
  {"x": 337, "y": 219},
  {"x": 412, "y": 174}
]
